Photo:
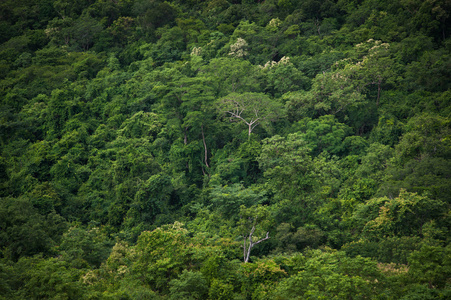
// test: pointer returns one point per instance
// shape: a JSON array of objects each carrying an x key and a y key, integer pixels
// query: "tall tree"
[{"x": 251, "y": 109}]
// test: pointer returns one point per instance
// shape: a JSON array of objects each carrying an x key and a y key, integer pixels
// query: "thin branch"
[
  {"x": 236, "y": 115},
  {"x": 261, "y": 240}
]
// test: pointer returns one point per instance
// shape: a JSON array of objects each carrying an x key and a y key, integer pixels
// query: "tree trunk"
[
  {"x": 247, "y": 252},
  {"x": 378, "y": 92},
  {"x": 205, "y": 146}
]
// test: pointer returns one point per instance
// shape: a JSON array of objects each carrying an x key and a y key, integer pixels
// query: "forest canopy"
[{"x": 225, "y": 149}]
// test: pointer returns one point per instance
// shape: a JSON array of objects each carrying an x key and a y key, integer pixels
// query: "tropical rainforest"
[{"x": 225, "y": 149}]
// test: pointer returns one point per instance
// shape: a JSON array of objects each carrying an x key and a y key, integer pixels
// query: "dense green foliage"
[{"x": 142, "y": 140}]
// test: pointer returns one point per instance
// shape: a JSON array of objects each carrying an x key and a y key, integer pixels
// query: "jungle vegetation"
[{"x": 225, "y": 149}]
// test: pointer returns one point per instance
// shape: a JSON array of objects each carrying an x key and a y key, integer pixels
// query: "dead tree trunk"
[
  {"x": 205, "y": 146},
  {"x": 247, "y": 248}
]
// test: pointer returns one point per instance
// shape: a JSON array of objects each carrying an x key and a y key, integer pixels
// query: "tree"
[
  {"x": 258, "y": 278},
  {"x": 374, "y": 66},
  {"x": 252, "y": 223},
  {"x": 431, "y": 265},
  {"x": 288, "y": 165},
  {"x": 85, "y": 31},
  {"x": 52, "y": 278},
  {"x": 323, "y": 134},
  {"x": 421, "y": 162},
  {"x": 151, "y": 200},
  {"x": 282, "y": 76},
  {"x": 25, "y": 232},
  {"x": 227, "y": 199},
  {"x": 329, "y": 275},
  {"x": 85, "y": 247},
  {"x": 162, "y": 254},
  {"x": 250, "y": 108},
  {"x": 404, "y": 215},
  {"x": 190, "y": 285},
  {"x": 332, "y": 93},
  {"x": 227, "y": 75},
  {"x": 239, "y": 48}
]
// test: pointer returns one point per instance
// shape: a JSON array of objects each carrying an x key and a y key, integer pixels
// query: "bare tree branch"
[{"x": 252, "y": 109}]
